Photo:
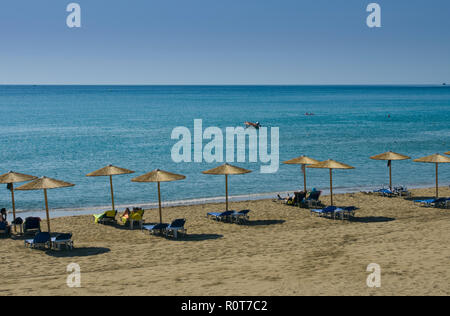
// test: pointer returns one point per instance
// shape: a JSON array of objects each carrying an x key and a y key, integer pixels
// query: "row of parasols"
[{"x": 159, "y": 176}]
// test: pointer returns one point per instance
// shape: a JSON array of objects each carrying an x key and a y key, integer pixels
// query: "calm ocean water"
[{"x": 64, "y": 132}]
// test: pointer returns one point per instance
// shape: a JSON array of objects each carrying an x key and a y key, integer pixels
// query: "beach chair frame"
[
  {"x": 107, "y": 219},
  {"x": 241, "y": 217},
  {"x": 155, "y": 229},
  {"x": 175, "y": 230},
  {"x": 6, "y": 232},
  {"x": 67, "y": 242},
  {"x": 31, "y": 231},
  {"x": 226, "y": 216},
  {"x": 33, "y": 244}
]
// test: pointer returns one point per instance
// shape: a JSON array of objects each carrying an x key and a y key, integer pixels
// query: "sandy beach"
[{"x": 283, "y": 251}]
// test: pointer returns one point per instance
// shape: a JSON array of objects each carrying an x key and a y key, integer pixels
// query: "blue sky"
[{"x": 224, "y": 42}]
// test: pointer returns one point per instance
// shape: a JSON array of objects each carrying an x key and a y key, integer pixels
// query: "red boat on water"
[{"x": 251, "y": 124}]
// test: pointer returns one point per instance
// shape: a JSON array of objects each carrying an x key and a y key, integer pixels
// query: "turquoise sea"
[{"x": 65, "y": 132}]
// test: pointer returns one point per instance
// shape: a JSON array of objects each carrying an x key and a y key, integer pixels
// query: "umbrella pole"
[
  {"x": 390, "y": 175},
  {"x": 226, "y": 191},
  {"x": 159, "y": 201},
  {"x": 304, "y": 177},
  {"x": 46, "y": 210},
  {"x": 331, "y": 185},
  {"x": 437, "y": 181},
  {"x": 112, "y": 193},
  {"x": 13, "y": 206}
]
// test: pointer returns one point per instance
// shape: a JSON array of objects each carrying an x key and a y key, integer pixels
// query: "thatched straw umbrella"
[
  {"x": 159, "y": 176},
  {"x": 45, "y": 184},
  {"x": 331, "y": 164},
  {"x": 226, "y": 170},
  {"x": 447, "y": 153},
  {"x": 303, "y": 161},
  {"x": 390, "y": 156},
  {"x": 110, "y": 171},
  {"x": 436, "y": 159},
  {"x": 11, "y": 178}
]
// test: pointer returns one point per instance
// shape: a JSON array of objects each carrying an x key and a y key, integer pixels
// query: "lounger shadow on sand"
[
  {"x": 78, "y": 252},
  {"x": 264, "y": 222},
  {"x": 197, "y": 237},
  {"x": 371, "y": 219}
]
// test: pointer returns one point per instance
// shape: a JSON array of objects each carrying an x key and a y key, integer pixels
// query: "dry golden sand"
[{"x": 284, "y": 251}]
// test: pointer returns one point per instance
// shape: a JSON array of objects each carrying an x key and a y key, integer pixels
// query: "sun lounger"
[
  {"x": 313, "y": 199},
  {"x": 344, "y": 212},
  {"x": 334, "y": 211},
  {"x": 62, "y": 240},
  {"x": 299, "y": 197},
  {"x": 221, "y": 216},
  {"x": 402, "y": 191},
  {"x": 431, "y": 202},
  {"x": 5, "y": 229},
  {"x": 240, "y": 217},
  {"x": 441, "y": 202},
  {"x": 40, "y": 241},
  {"x": 155, "y": 229},
  {"x": 136, "y": 217},
  {"x": 385, "y": 192},
  {"x": 32, "y": 225},
  {"x": 177, "y": 226},
  {"x": 325, "y": 211},
  {"x": 106, "y": 217}
]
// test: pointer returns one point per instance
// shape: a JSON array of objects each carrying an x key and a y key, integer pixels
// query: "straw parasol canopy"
[
  {"x": 226, "y": 169},
  {"x": 436, "y": 159},
  {"x": 110, "y": 171},
  {"x": 331, "y": 164},
  {"x": 390, "y": 156},
  {"x": 447, "y": 153},
  {"x": 303, "y": 161},
  {"x": 11, "y": 178},
  {"x": 159, "y": 176},
  {"x": 45, "y": 184}
]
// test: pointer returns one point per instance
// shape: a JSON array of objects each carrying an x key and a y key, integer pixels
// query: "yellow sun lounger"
[
  {"x": 135, "y": 217},
  {"x": 106, "y": 217}
]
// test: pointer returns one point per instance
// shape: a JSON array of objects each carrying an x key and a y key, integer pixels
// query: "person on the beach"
[
  {"x": 3, "y": 220},
  {"x": 127, "y": 213},
  {"x": 4, "y": 215}
]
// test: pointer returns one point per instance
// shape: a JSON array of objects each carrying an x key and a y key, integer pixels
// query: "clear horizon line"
[{"x": 225, "y": 84}]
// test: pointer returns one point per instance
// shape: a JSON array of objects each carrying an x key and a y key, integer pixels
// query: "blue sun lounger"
[
  {"x": 40, "y": 241},
  {"x": 221, "y": 216},
  {"x": 240, "y": 217},
  {"x": 433, "y": 202},
  {"x": 156, "y": 228},
  {"x": 32, "y": 225},
  {"x": 177, "y": 226},
  {"x": 5, "y": 230},
  {"x": 324, "y": 211},
  {"x": 385, "y": 192},
  {"x": 427, "y": 202},
  {"x": 62, "y": 240},
  {"x": 348, "y": 211}
]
